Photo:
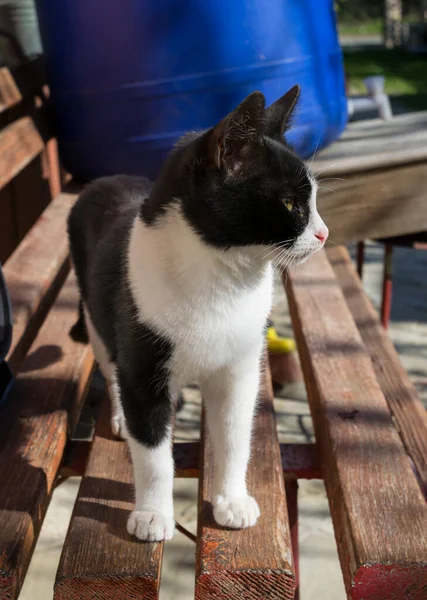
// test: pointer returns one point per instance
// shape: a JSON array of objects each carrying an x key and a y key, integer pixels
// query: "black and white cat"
[{"x": 176, "y": 286}]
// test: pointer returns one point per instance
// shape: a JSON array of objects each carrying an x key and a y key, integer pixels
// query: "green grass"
[
  {"x": 371, "y": 27},
  {"x": 405, "y": 74}
]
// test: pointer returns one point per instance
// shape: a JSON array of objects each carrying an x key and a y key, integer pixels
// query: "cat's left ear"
[
  {"x": 279, "y": 114},
  {"x": 235, "y": 140}
]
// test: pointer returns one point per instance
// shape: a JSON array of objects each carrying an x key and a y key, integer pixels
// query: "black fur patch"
[
  {"x": 232, "y": 180},
  {"x": 99, "y": 227}
]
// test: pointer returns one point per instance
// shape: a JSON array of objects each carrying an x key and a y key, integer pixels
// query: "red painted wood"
[
  {"x": 390, "y": 582},
  {"x": 291, "y": 486},
  {"x": 387, "y": 286}
]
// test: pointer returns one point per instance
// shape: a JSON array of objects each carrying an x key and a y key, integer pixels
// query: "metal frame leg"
[
  {"x": 360, "y": 258},
  {"x": 387, "y": 285}
]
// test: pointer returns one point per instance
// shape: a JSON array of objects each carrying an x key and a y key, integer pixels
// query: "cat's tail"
[{"x": 78, "y": 331}]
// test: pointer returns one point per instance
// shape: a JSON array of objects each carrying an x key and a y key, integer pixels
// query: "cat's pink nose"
[{"x": 322, "y": 234}]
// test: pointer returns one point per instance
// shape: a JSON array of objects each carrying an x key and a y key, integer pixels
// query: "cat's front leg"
[
  {"x": 230, "y": 399},
  {"x": 152, "y": 518},
  {"x": 147, "y": 410}
]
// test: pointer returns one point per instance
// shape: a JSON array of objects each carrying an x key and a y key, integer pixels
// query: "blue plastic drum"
[{"x": 128, "y": 77}]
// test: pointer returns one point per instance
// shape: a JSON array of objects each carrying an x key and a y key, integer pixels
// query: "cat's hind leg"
[{"x": 109, "y": 370}]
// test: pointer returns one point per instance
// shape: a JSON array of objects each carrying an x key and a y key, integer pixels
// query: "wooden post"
[{"x": 392, "y": 23}]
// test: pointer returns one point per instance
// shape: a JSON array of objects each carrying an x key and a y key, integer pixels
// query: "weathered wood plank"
[
  {"x": 43, "y": 405},
  {"x": 31, "y": 196},
  {"x": 377, "y": 507},
  {"x": 9, "y": 92},
  {"x": 409, "y": 413},
  {"x": 255, "y": 562},
  {"x": 100, "y": 559},
  {"x": 34, "y": 274},
  {"x": 20, "y": 142},
  {"x": 299, "y": 461},
  {"x": 375, "y": 144},
  {"x": 8, "y": 230},
  {"x": 370, "y": 205}
]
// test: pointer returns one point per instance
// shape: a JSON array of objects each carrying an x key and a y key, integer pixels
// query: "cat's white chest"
[
  {"x": 210, "y": 320},
  {"x": 218, "y": 332}
]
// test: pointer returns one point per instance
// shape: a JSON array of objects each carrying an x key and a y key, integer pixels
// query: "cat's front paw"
[
  {"x": 236, "y": 513},
  {"x": 151, "y": 526},
  {"x": 118, "y": 425}
]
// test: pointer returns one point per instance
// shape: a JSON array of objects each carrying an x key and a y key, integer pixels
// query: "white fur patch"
[
  {"x": 152, "y": 518},
  {"x": 213, "y": 306}
]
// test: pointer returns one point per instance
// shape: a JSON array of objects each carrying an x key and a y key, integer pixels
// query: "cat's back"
[
  {"x": 102, "y": 201},
  {"x": 105, "y": 205}
]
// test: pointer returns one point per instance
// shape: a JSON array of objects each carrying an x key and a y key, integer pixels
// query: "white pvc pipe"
[{"x": 377, "y": 99}]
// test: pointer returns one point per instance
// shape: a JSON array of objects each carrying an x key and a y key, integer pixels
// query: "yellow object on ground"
[{"x": 277, "y": 344}]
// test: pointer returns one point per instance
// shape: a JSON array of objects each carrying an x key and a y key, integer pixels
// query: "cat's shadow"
[{"x": 96, "y": 506}]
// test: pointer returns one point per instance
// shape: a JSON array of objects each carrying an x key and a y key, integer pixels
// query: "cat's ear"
[
  {"x": 234, "y": 140},
  {"x": 278, "y": 115}
]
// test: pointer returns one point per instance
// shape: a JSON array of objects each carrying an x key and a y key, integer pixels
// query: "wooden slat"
[
  {"x": 377, "y": 507},
  {"x": 20, "y": 142},
  {"x": 31, "y": 196},
  {"x": 401, "y": 395},
  {"x": 373, "y": 144},
  {"x": 8, "y": 230},
  {"x": 100, "y": 559},
  {"x": 253, "y": 563},
  {"x": 299, "y": 461},
  {"x": 34, "y": 274},
  {"x": 43, "y": 405},
  {"x": 9, "y": 92},
  {"x": 369, "y": 205}
]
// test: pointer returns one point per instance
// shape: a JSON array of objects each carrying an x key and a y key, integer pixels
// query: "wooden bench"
[{"x": 370, "y": 426}]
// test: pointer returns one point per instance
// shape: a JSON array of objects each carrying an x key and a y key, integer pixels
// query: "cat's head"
[{"x": 244, "y": 186}]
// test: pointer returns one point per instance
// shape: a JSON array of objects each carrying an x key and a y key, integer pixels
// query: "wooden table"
[{"x": 375, "y": 179}]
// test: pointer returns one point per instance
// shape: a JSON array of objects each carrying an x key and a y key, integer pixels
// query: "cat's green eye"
[{"x": 289, "y": 203}]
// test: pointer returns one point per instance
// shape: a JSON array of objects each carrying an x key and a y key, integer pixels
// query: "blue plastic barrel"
[{"x": 128, "y": 77}]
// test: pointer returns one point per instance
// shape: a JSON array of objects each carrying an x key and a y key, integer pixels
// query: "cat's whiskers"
[
  {"x": 278, "y": 261},
  {"x": 322, "y": 187},
  {"x": 325, "y": 169},
  {"x": 310, "y": 162},
  {"x": 266, "y": 252},
  {"x": 283, "y": 252},
  {"x": 332, "y": 179}
]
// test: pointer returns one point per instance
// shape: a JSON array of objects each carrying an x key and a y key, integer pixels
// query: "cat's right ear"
[
  {"x": 234, "y": 140},
  {"x": 278, "y": 116}
]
